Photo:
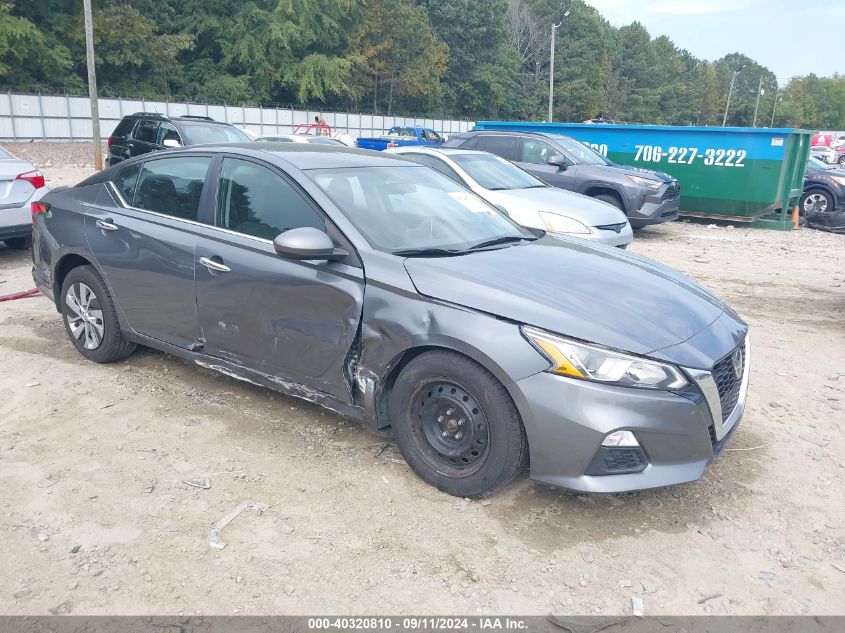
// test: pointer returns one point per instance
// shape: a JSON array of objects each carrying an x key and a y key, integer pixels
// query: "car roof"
[
  {"x": 447, "y": 151},
  {"x": 509, "y": 133},
  {"x": 302, "y": 155}
]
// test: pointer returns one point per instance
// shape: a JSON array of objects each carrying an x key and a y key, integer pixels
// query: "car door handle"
[
  {"x": 106, "y": 225},
  {"x": 215, "y": 266}
]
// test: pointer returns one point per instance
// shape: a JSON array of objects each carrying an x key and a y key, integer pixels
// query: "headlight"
[
  {"x": 646, "y": 182},
  {"x": 839, "y": 179},
  {"x": 557, "y": 223},
  {"x": 579, "y": 360}
]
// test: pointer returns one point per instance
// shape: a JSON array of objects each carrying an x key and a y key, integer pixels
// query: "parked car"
[
  {"x": 645, "y": 196},
  {"x": 144, "y": 132},
  {"x": 526, "y": 199},
  {"x": 300, "y": 138},
  {"x": 21, "y": 184},
  {"x": 825, "y": 154},
  {"x": 824, "y": 188},
  {"x": 399, "y": 136},
  {"x": 393, "y": 295}
]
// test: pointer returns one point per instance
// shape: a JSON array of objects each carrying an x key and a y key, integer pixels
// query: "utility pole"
[
  {"x": 757, "y": 107},
  {"x": 730, "y": 94},
  {"x": 552, "y": 64},
  {"x": 775, "y": 105},
  {"x": 92, "y": 85}
]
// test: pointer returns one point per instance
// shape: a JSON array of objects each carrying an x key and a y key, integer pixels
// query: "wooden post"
[{"x": 92, "y": 85}]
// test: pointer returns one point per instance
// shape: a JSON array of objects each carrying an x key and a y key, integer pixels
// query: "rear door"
[
  {"x": 534, "y": 155},
  {"x": 293, "y": 320},
  {"x": 143, "y": 137},
  {"x": 143, "y": 240}
]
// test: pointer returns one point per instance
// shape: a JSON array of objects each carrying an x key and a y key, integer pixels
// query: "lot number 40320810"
[{"x": 688, "y": 155}]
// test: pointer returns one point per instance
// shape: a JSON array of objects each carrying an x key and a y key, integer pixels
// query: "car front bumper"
[
  {"x": 655, "y": 208},
  {"x": 567, "y": 419}
]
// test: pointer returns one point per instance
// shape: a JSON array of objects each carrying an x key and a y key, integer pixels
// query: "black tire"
[
  {"x": 18, "y": 243},
  {"x": 611, "y": 199},
  {"x": 816, "y": 194},
  {"x": 430, "y": 384},
  {"x": 841, "y": 160},
  {"x": 111, "y": 344}
]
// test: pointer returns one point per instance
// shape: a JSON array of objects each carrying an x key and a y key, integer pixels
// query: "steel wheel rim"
[
  {"x": 815, "y": 203},
  {"x": 453, "y": 424},
  {"x": 84, "y": 316}
]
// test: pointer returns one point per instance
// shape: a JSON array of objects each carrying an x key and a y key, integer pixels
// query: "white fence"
[{"x": 25, "y": 116}]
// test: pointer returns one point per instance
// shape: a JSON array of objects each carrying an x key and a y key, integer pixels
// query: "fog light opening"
[{"x": 620, "y": 438}]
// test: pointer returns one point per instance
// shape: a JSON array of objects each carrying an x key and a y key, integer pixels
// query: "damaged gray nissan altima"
[{"x": 385, "y": 291}]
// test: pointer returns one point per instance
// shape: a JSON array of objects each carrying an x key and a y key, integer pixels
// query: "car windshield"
[
  {"x": 815, "y": 163},
  {"x": 413, "y": 208},
  {"x": 580, "y": 153},
  {"x": 197, "y": 133},
  {"x": 494, "y": 173}
]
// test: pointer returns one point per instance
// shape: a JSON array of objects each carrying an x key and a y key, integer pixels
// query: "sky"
[{"x": 790, "y": 37}]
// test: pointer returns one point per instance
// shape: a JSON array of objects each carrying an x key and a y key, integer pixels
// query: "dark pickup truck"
[{"x": 399, "y": 136}]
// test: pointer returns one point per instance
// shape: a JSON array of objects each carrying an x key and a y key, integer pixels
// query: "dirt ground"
[{"x": 95, "y": 517}]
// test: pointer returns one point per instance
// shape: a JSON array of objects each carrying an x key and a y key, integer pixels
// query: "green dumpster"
[{"x": 742, "y": 174}]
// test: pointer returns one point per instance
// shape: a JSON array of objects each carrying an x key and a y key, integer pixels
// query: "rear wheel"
[
  {"x": 90, "y": 317},
  {"x": 816, "y": 201},
  {"x": 456, "y": 425},
  {"x": 18, "y": 243}
]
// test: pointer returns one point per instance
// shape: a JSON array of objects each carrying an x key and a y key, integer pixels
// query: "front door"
[
  {"x": 143, "y": 241},
  {"x": 534, "y": 155},
  {"x": 294, "y": 321}
]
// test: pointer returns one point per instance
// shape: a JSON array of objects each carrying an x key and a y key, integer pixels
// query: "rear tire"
[
  {"x": 18, "y": 243},
  {"x": 456, "y": 425},
  {"x": 612, "y": 200},
  {"x": 90, "y": 317}
]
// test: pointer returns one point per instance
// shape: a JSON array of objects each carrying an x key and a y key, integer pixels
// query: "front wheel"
[
  {"x": 90, "y": 317},
  {"x": 611, "y": 200},
  {"x": 456, "y": 425},
  {"x": 816, "y": 201}
]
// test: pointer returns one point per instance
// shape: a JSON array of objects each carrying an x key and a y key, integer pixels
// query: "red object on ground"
[{"x": 19, "y": 295}]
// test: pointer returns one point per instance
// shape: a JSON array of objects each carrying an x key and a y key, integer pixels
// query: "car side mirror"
[
  {"x": 171, "y": 142},
  {"x": 559, "y": 161},
  {"x": 307, "y": 243}
]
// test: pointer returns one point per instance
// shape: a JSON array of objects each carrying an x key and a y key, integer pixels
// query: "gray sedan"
[
  {"x": 387, "y": 292},
  {"x": 526, "y": 199}
]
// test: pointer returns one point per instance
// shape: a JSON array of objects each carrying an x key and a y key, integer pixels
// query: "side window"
[
  {"x": 500, "y": 145},
  {"x": 145, "y": 131},
  {"x": 167, "y": 132},
  {"x": 172, "y": 186},
  {"x": 256, "y": 201},
  {"x": 436, "y": 163},
  {"x": 125, "y": 181},
  {"x": 537, "y": 152},
  {"x": 434, "y": 136}
]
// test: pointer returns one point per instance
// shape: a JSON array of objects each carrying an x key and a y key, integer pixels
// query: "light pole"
[
  {"x": 757, "y": 107},
  {"x": 552, "y": 63},
  {"x": 775, "y": 104},
  {"x": 730, "y": 94},
  {"x": 92, "y": 85}
]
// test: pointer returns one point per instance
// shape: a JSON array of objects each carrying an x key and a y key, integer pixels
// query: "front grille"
[
  {"x": 672, "y": 191},
  {"x": 729, "y": 380}
]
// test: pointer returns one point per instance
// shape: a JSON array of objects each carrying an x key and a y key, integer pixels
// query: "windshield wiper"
[
  {"x": 504, "y": 239},
  {"x": 535, "y": 187},
  {"x": 428, "y": 252}
]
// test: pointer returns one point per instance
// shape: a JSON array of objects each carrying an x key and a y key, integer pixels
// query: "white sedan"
[
  {"x": 525, "y": 198},
  {"x": 21, "y": 184}
]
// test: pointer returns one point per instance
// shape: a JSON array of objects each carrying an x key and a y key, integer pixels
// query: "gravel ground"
[{"x": 96, "y": 518}]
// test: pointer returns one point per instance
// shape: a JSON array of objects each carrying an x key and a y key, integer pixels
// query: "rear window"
[
  {"x": 197, "y": 133},
  {"x": 123, "y": 127}
]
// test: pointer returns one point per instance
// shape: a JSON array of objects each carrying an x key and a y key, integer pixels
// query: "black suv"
[
  {"x": 144, "y": 132},
  {"x": 644, "y": 195}
]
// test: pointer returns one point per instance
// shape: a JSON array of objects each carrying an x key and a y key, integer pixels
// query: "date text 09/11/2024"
[{"x": 418, "y": 623}]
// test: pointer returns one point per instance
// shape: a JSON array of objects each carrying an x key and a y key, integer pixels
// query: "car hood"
[
  {"x": 589, "y": 210},
  {"x": 569, "y": 286},
  {"x": 634, "y": 171}
]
